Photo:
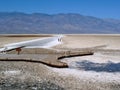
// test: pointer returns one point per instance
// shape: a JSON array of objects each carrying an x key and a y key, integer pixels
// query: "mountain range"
[{"x": 71, "y": 23}]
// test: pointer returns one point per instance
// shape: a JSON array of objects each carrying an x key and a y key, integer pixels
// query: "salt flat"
[
  {"x": 111, "y": 41},
  {"x": 8, "y": 40},
  {"x": 100, "y": 71},
  {"x": 85, "y": 41}
]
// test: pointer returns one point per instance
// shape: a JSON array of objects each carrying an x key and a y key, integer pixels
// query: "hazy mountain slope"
[{"x": 60, "y": 23}]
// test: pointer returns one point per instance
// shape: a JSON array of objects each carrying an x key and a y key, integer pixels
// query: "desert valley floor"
[{"x": 100, "y": 71}]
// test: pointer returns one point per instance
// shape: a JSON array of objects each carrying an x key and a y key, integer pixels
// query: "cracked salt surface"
[
  {"x": 89, "y": 75},
  {"x": 100, "y": 61}
]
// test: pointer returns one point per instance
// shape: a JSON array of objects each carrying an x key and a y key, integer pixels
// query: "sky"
[{"x": 96, "y": 8}]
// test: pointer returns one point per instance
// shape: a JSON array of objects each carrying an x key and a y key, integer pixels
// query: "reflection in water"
[{"x": 98, "y": 67}]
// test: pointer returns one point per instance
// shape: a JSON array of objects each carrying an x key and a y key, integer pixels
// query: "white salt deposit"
[
  {"x": 37, "y": 43},
  {"x": 47, "y": 44},
  {"x": 89, "y": 75},
  {"x": 102, "y": 76},
  {"x": 97, "y": 58},
  {"x": 11, "y": 72},
  {"x": 1, "y": 49}
]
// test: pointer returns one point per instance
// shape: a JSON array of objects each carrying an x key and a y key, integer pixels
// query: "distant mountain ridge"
[{"x": 39, "y": 23}]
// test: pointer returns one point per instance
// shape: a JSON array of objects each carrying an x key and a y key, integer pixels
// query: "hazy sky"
[{"x": 97, "y": 8}]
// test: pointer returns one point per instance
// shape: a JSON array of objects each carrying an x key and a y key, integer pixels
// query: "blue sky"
[{"x": 97, "y": 8}]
